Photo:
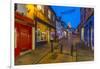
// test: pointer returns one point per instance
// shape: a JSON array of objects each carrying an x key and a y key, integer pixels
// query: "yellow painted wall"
[
  {"x": 33, "y": 11},
  {"x": 30, "y": 11}
]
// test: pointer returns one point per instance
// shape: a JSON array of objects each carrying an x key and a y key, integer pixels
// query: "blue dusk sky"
[{"x": 68, "y": 14}]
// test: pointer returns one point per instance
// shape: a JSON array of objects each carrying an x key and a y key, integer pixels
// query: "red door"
[{"x": 24, "y": 38}]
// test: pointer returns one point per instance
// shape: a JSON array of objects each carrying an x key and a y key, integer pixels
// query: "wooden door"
[{"x": 25, "y": 37}]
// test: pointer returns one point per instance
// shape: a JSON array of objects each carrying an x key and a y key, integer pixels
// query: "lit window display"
[{"x": 42, "y": 34}]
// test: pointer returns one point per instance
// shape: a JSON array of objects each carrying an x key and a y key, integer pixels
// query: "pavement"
[
  {"x": 65, "y": 56},
  {"x": 32, "y": 57}
]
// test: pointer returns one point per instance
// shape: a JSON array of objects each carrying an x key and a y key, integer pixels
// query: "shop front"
[
  {"x": 23, "y": 34},
  {"x": 44, "y": 34}
]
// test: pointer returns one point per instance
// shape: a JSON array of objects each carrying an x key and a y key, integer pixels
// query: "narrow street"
[
  {"x": 52, "y": 34},
  {"x": 46, "y": 56},
  {"x": 65, "y": 56}
]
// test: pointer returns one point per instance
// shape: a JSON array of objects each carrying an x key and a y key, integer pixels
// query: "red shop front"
[{"x": 23, "y": 34}]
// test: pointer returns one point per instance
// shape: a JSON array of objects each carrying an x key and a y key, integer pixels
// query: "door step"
[{"x": 25, "y": 52}]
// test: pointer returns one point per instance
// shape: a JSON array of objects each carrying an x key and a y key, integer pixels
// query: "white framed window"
[{"x": 49, "y": 14}]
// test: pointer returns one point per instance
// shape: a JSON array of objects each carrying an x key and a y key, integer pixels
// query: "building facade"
[
  {"x": 86, "y": 27},
  {"x": 60, "y": 30},
  {"x": 34, "y": 26}
]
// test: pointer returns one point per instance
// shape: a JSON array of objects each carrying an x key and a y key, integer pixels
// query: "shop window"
[
  {"x": 42, "y": 34},
  {"x": 38, "y": 35}
]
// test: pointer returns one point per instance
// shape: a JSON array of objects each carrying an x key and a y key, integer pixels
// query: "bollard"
[
  {"x": 52, "y": 46},
  {"x": 61, "y": 49},
  {"x": 71, "y": 50},
  {"x": 76, "y": 50}
]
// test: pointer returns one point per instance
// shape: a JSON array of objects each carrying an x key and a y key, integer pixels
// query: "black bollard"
[
  {"x": 71, "y": 50},
  {"x": 76, "y": 51},
  {"x": 52, "y": 46},
  {"x": 61, "y": 49}
]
